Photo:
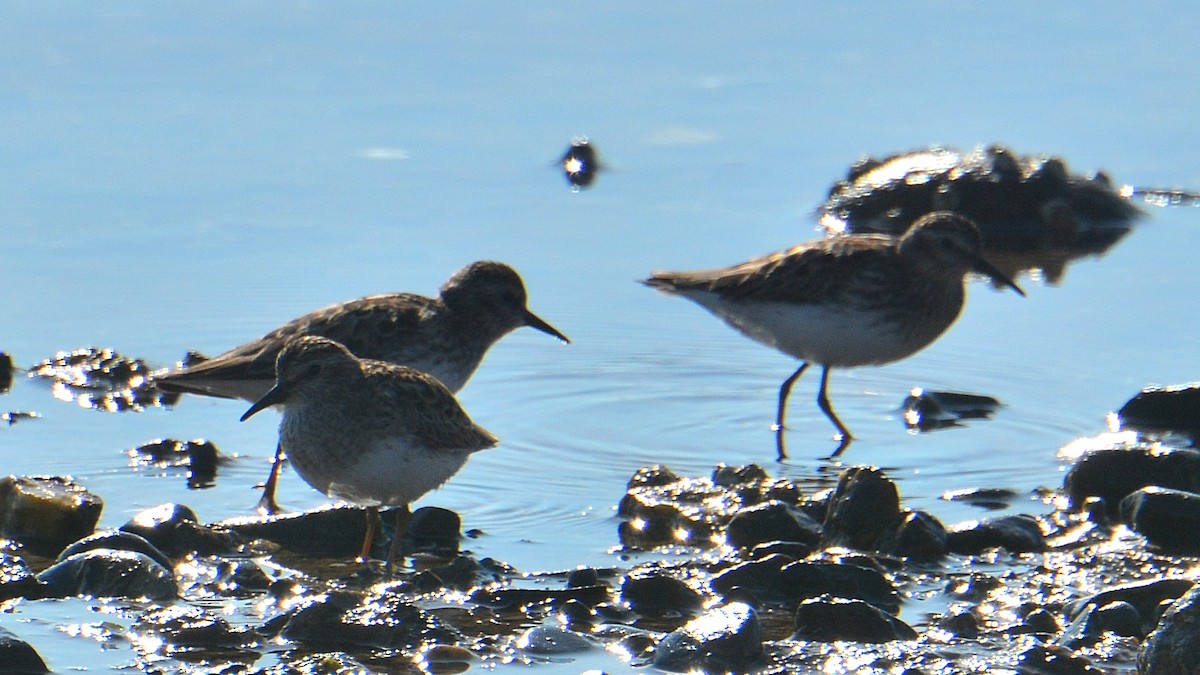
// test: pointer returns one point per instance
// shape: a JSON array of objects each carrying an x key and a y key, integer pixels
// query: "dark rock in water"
[
  {"x": 830, "y": 618},
  {"x": 803, "y": 579},
  {"x": 18, "y": 656},
  {"x": 961, "y": 624},
  {"x": 552, "y": 640},
  {"x": 1042, "y": 620},
  {"x": 653, "y": 592},
  {"x": 330, "y": 532},
  {"x": 240, "y": 578},
  {"x": 772, "y": 521},
  {"x": 509, "y": 598},
  {"x": 1167, "y": 518},
  {"x": 929, "y": 410},
  {"x": 343, "y": 620},
  {"x": 652, "y": 476},
  {"x": 435, "y": 530},
  {"x": 919, "y": 536},
  {"x": 722, "y": 640},
  {"x": 46, "y": 513},
  {"x": 1019, "y": 201},
  {"x": 1116, "y": 617},
  {"x": 1019, "y": 533},
  {"x": 1114, "y": 473},
  {"x": 580, "y": 163},
  {"x": 729, "y": 476},
  {"x": 1145, "y": 597},
  {"x": 1054, "y": 660},
  {"x": 200, "y": 457},
  {"x": 1172, "y": 647},
  {"x": 582, "y": 577},
  {"x": 865, "y": 504},
  {"x": 11, "y": 417},
  {"x": 986, "y": 498},
  {"x": 760, "y": 578},
  {"x": 175, "y": 530},
  {"x": 116, "y": 540},
  {"x": 1173, "y": 408},
  {"x": 17, "y": 580},
  {"x": 102, "y": 379},
  {"x": 185, "y": 628},
  {"x": 105, "y": 573},
  {"x": 6, "y": 372}
]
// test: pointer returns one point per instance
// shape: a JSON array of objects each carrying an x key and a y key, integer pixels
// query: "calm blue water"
[{"x": 188, "y": 177}]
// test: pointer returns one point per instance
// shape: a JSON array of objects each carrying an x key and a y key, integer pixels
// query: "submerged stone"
[
  {"x": 46, "y": 513},
  {"x": 724, "y": 639}
]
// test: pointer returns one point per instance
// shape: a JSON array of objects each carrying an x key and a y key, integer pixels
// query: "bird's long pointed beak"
[
  {"x": 534, "y": 321},
  {"x": 984, "y": 267},
  {"x": 274, "y": 396}
]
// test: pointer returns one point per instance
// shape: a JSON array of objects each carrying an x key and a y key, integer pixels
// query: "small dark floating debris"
[
  {"x": 1171, "y": 408},
  {"x": 580, "y": 163},
  {"x": 929, "y": 410},
  {"x": 102, "y": 379}
]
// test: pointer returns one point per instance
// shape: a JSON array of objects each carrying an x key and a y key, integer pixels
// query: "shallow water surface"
[{"x": 189, "y": 177}]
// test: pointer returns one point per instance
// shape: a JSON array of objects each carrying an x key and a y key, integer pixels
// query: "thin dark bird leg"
[
  {"x": 823, "y": 402},
  {"x": 784, "y": 391},
  {"x": 399, "y": 531},
  {"x": 372, "y": 523},
  {"x": 266, "y": 504}
]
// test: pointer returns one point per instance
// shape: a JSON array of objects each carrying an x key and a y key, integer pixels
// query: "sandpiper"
[
  {"x": 845, "y": 301},
  {"x": 446, "y": 336},
  {"x": 368, "y": 432}
]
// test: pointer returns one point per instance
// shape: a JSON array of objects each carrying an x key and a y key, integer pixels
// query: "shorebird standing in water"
[
  {"x": 446, "y": 336},
  {"x": 845, "y": 301},
  {"x": 368, "y": 432}
]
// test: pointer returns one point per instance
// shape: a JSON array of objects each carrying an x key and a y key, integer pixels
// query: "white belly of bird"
[
  {"x": 391, "y": 473},
  {"x": 824, "y": 334}
]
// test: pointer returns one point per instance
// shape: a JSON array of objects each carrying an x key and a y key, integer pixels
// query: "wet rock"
[
  {"x": 919, "y": 536},
  {"x": 829, "y": 619},
  {"x": 583, "y": 576},
  {"x": 102, "y": 379},
  {"x": 1116, "y": 617},
  {"x": 18, "y": 656},
  {"x": 803, "y": 579},
  {"x": 1020, "y": 202},
  {"x": 6, "y": 372},
  {"x": 1114, "y": 473},
  {"x": 984, "y": 498},
  {"x": 175, "y": 530},
  {"x": 865, "y": 504},
  {"x": 510, "y": 598},
  {"x": 1145, "y": 596},
  {"x": 653, "y": 592},
  {"x": 343, "y": 620},
  {"x": 117, "y": 541},
  {"x": 552, "y": 640},
  {"x": 1173, "y": 408},
  {"x": 652, "y": 476},
  {"x": 325, "y": 663},
  {"x": 1042, "y": 620},
  {"x": 772, "y": 521},
  {"x": 929, "y": 410},
  {"x": 188, "y": 628},
  {"x": 580, "y": 163},
  {"x": 240, "y": 578},
  {"x": 1054, "y": 660},
  {"x": 1167, "y": 518},
  {"x": 200, "y": 457},
  {"x": 759, "y": 577},
  {"x": 730, "y": 476},
  {"x": 1172, "y": 647},
  {"x": 662, "y": 515},
  {"x": 1020, "y": 533},
  {"x": 46, "y": 513},
  {"x": 435, "y": 530},
  {"x": 16, "y": 579},
  {"x": 106, "y": 573},
  {"x": 724, "y": 639},
  {"x": 330, "y": 532},
  {"x": 963, "y": 624}
]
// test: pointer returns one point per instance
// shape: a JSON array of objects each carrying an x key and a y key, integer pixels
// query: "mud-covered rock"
[
  {"x": 18, "y": 656},
  {"x": 864, "y": 505},
  {"x": 1171, "y": 408},
  {"x": 328, "y": 532},
  {"x": 1167, "y": 518},
  {"x": 17, "y": 580},
  {"x": 1113, "y": 473},
  {"x": 106, "y": 573},
  {"x": 1172, "y": 647},
  {"x": 175, "y": 530},
  {"x": 654, "y": 592},
  {"x": 46, "y": 513},
  {"x": 116, "y": 540},
  {"x": 723, "y": 639},
  {"x": 102, "y": 379},
  {"x": 1020, "y": 533},
  {"x": 830, "y": 618},
  {"x": 771, "y": 521}
]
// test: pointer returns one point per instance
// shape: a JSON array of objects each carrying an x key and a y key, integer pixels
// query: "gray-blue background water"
[{"x": 178, "y": 177}]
